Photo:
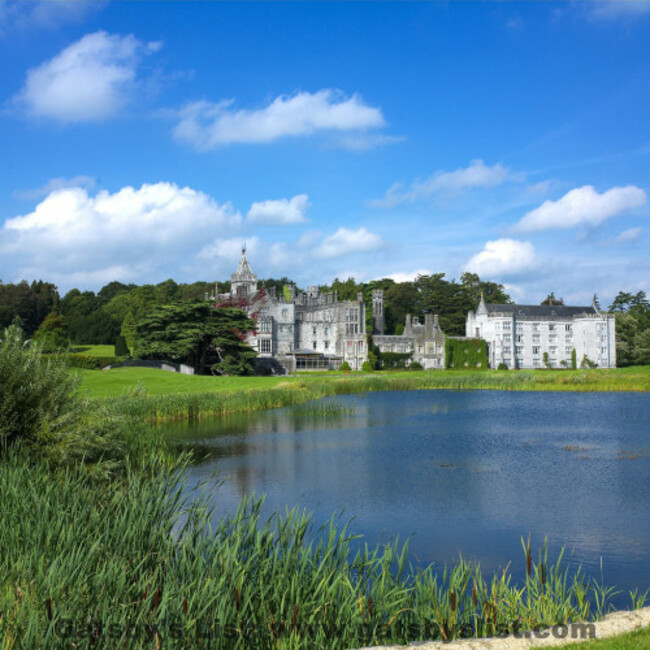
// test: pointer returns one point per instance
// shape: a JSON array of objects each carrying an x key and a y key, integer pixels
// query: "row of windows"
[
  {"x": 352, "y": 314},
  {"x": 536, "y": 327}
]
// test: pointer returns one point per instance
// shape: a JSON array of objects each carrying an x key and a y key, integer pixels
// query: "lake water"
[{"x": 456, "y": 472}]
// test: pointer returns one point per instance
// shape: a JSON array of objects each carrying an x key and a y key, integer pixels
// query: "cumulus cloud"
[
  {"x": 476, "y": 175},
  {"x": 131, "y": 233},
  {"x": 582, "y": 206},
  {"x": 206, "y": 125},
  {"x": 503, "y": 257},
  {"x": 345, "y": 241},
  {"x": 89, "y": 81},
  {"x": 280, "y": 212}
]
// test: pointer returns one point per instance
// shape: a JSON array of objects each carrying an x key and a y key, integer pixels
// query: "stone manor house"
[
  {"x": 311, "y": 330},
  {"x": 523, "y": 336},
  {"x": 316, "y": 331}
]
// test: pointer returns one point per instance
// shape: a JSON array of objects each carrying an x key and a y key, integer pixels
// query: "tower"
[
  {"x": 243, "y": 282},
  {"x": 377, "y": 311}
]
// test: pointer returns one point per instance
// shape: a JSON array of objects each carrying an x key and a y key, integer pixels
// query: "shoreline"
[{"x": 165, "y": 397}]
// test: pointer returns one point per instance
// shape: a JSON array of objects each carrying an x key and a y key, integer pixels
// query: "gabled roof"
[{"x": 531, "y": 312}]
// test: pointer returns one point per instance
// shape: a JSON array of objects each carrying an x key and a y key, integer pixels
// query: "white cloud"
[
  {"x": 628, "y": 236},
  {"x": 582, "y": 206},
  {"x": 405, "y": 276},
  {"x": 477, "y": 175},
  {"x": 206, "y": 125},
  {"x": 18, "y": 15},
  {"x": 139, "y": 232},
  {"x": 612, "y": 9},
  {"x": 281, "y": 212},
  {"x": 53, "y": 184},
  {"x": 345, "y": 241},
  {"x": 89, "y": 81},
  {"x": 503, "y": 257}
]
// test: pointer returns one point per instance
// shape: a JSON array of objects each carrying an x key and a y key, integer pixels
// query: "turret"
[{"x": 377, "y": 311}]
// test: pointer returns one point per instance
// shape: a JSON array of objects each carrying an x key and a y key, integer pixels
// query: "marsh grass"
[
  {"x": 247, "y": 395},
  {"x": 133, "y": 563}
]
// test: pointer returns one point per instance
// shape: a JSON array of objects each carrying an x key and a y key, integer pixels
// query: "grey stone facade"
[
  {"x": 425, "y": 341},
  {"x": 522, "y": 336},
  {"x": 301, "y": 330}
]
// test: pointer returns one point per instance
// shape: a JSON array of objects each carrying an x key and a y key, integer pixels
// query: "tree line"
[{"x": 86, "y": 317}]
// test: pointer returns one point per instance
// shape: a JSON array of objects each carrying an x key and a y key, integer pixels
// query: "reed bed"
[
  {"x": 297, "y": 390},
  {"x": 133, "y": 563}
]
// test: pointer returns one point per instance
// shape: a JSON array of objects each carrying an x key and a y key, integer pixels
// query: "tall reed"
[{"x": 131, "y": 563}]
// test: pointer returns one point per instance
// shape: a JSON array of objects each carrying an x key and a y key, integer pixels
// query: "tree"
[
  {"x": 128, "y": 329},
  {"x": 208, "y": 339},
  {"x": 552, "y": 300},
  {"x": 53, "y": 333},
  {"x": 121, "y": 348}
]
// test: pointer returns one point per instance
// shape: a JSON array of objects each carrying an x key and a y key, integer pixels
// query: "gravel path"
[{"x": 611, "y": 625}]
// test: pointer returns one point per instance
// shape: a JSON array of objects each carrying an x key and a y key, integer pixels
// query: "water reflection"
[{"x": 462, "y": 472}]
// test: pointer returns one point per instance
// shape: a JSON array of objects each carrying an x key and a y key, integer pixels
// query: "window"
[
  {"x": 506, "y": 361},
  {"x": 536, "y": 363},
  {"x": 507, "y": 338},
  {"x": 552, "y": 339},
  {"x": 551, "y": 327},
  {"x": 497, "y": 326},
  {"x": 520, "y": 349},
  {"x": 285, "y": 313},
  {"x": 265, "y": 346},
  {"x": 360, "y": 345},
  {"x": 536, "y": 338},
  {"x": 327, "y": 331},
  {"x": 568, "y": 349},
  {"x": 507, "y": 325},
  {"x": 535, "y": 349},
  {"x": 327, "y": 345},
  {"x": 568, "y": 339},
  {"x": 568, "y": 328},
  {"x": 266, "y": 326},
  {"x": 553, "y": 349},
  {"x": 520, "y": 338},
  {"x": 356, "y": 328},
  {"x": 536, "y": 328},
  {"x": 314, "y": 344},
  {"x": 507, "y": 349},
  {"x": 313, "y": 331}
]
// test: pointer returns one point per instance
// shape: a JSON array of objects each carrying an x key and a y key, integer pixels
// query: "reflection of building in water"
[
  {"x": 299, "y": 330},
  {"x": 525, "y": 336}
]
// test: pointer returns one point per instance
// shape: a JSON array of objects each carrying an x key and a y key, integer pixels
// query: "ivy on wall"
[{"x": 466, "y": 353}]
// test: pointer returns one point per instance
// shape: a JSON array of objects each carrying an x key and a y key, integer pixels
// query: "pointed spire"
[{"x": 482, "y": 307}]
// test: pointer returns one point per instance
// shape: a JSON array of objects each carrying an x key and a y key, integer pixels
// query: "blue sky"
[{"x": 142, "y": 141}]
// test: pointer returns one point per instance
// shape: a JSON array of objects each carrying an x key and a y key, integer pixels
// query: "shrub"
[
  {"x": 588, "y": 363},
  {"x": 502, "y": 366},
  {"x": 574, "y": 363},
  {"x": 367, "y": 367},
  {"x": 415, "y": 366},
  {"x": 345, "y": 367},
  {"x": 36, "y": 390},
  {"x": 121, "y": 348}
]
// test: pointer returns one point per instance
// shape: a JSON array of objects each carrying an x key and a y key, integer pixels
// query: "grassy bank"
[
  {"x": 164, "y": 395},
  {"x": 142, "y": 567}
]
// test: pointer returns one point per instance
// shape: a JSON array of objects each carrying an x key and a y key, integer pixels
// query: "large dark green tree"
[{"x": 196, "y": 334}]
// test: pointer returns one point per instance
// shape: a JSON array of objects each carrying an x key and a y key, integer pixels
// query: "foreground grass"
[
  {"x": 639, "y": 640},
  {"x": 129, "y": 563},
  {"x": 165, "y": 395}
]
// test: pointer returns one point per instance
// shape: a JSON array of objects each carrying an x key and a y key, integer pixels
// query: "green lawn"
[
  {"x": 639, "y": 640},
  {"x": 94, "y": 350},
  {"x": 108, "y": 383}
]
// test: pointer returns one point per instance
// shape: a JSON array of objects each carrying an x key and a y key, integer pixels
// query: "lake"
[{"x": 466, "y": 472}]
